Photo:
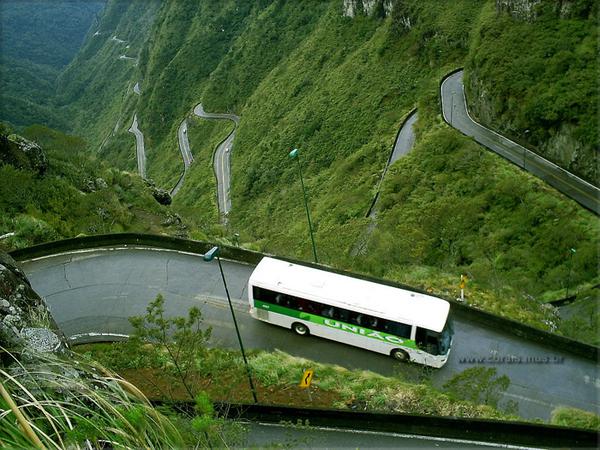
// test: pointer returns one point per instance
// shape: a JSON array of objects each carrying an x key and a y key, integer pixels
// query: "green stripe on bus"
[{"x": 355, "y": 329}]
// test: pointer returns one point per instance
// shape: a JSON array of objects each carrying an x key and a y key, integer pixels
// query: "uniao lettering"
[
  {"x": 350, "y": 328},
  {"x": 362, "y": 331}
]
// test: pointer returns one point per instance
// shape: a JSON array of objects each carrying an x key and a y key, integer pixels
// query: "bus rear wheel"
[
  {"x": 300, "y": 329},
  {"x": 400, "y": 355}
]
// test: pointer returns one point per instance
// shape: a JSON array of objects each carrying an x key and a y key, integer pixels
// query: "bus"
[{"x": 406, "y": 325}]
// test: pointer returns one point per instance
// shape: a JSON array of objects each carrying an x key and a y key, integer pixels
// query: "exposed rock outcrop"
[
  {"x": 519, "y": 9},
  {"x": 351, "y": 8},
  {"x": 25, "y": 321},
  {"x": 528, "y": 10},
  {"x": 22, "y": 153}
]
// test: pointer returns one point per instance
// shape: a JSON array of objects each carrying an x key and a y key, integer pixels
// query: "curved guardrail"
[
  {"x": 510, "y": 326},
  {"x": 478, "y": 430}
]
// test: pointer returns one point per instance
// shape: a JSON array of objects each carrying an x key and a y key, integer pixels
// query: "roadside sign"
[{"x": 306, "y": 378}]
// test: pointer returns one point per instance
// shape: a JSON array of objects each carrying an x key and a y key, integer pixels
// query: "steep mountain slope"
[
  {"x": 37, "y": 39},
  {"x": 96, "y": 89},
  {"x": 307, "y": 75},
  {"x": 542, "y": 90},
  {"x": 57, "y": 190}
]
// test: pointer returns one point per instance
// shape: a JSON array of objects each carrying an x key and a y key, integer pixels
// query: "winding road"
[
  {"x": 221, "y": 160},
  {"x": 139, "y": 147},
  {"x": 186, "y": 154},
  {"x": 405, "y": 140},
  {"x": 455, "y": 113},
  {"x": 92, "y": 293}
]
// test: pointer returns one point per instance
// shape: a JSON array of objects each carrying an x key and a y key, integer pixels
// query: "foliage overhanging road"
[
  {"x": 221, "y": 161},
  {"x": 454, "y": 109},
  {"x": 96, "y": 291}
]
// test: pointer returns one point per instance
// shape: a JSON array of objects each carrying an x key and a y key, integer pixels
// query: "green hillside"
[
  {"x": 38, "y": 40},
  {"x": 96, "y": 90},
  {"x": 542, "y": 90},
  {"x": 73, "y": 193},
  {"x": 306, "y": 75}
]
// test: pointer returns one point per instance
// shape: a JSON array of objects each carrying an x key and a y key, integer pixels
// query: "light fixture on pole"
[
  {"x": 209, "y": 256},
  {"x": 452, "y": 110},
  {"x": 295, "y": 154},
  {"x": 572, "y": 251}
]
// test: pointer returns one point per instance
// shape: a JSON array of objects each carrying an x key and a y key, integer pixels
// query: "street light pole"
[
  {"x": 208, "y": 256},
  {"x": 295, "y": 154},
  {"x": 572, "y": 252},
  {"x": 452, "y": 110}
]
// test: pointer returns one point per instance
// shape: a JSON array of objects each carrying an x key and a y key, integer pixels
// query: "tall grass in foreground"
[{"x": 48, "y": 402}]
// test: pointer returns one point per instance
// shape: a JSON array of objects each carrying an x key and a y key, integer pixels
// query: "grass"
[
  {"x": 276, "y": 377},
  {"x": 53, "y": 409},
  {"x": 473, "y": 393}
]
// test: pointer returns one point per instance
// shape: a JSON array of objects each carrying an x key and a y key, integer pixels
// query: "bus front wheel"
[
  {"x": 400, "y": 355},
  {"x": 300, "y": 328}
]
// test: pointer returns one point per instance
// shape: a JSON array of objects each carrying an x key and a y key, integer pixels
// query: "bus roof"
[{"x": 351, "y": 293}]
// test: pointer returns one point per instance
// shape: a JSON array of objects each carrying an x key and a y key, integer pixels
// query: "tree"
[{"x": 180, "y": 339}]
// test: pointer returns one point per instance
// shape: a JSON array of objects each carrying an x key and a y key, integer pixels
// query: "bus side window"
[
  {"x": 398, "y": 329},
  {"x": 328, "y": 312},
  {"x": 312, "y": 307},
  {"x": 342, "y": 314}
]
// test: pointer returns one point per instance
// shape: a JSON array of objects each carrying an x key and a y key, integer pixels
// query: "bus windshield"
[{"x": 435, "y": 343}]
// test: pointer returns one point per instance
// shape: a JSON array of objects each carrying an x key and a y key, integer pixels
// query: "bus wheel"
[
  {"x": 300, "y": 328},
  {"x": 400, "y": 355}
]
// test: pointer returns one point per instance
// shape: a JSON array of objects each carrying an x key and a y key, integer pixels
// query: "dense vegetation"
[
  {"x": 76, "y": 194},
  {"x": 542, "y": 89},
  {"x": 38, "y": 40}
]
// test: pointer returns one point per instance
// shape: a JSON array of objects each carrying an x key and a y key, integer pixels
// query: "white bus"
[{"x": 406, "y": 325}]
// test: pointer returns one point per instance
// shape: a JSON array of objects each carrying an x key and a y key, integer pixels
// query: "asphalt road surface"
[
  {"x": 262, "y": 435},
  {"x": 186, "y": 154},
  {"x": 454, "y": 108},
  {"x": 222, "y": 160},
  {"x": 139, "y": 147},
  {"x": 96, "y": 291},
  {"x": 404, "y": 143}
]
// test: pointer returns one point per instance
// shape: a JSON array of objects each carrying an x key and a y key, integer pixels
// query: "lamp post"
[
  {"x": 525, "y": 152},
  {"x": 452, "y": 110},
  {"x": 572, "y": 251},
  {"x": 295, "y": 154},
  {"x": 209, "y": 256}
]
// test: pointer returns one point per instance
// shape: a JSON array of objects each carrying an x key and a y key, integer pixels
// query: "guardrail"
[
  {"x": 509, "y": 326},
  {"x": 479, "y": 430}
]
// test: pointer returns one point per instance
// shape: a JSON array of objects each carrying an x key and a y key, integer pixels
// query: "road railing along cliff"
[{"x": 456, "y": 113}]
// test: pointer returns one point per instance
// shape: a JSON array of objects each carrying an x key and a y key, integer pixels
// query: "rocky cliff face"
[
  {"x": 528, "y": 10},
  {"x": 519, "y": 9},
  {"x": 540, "y": 93},
  {"x": 25, "y": 321},
  {"x": 562, "y": 147},
  {"x": 352, "y": 8}
]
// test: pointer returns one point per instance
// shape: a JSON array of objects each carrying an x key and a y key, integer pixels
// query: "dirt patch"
[{"x": 233, "y": 388}]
